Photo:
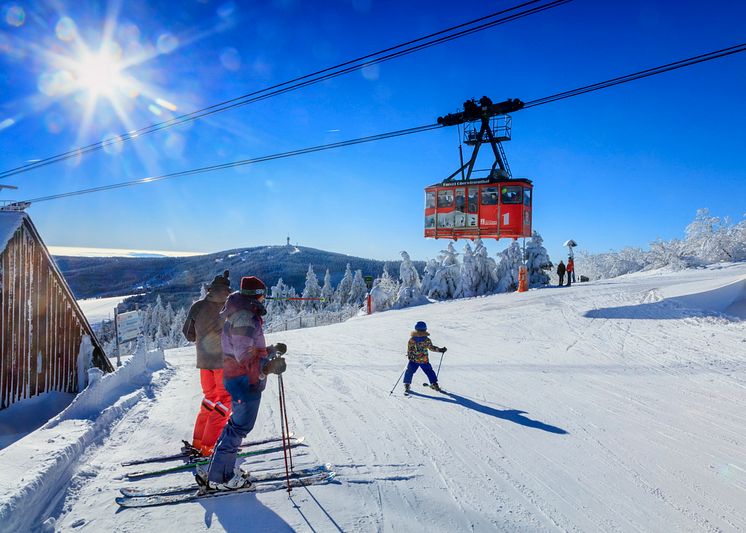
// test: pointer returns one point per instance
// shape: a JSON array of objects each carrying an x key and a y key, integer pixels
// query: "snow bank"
[
  {"x": 43, "y": 462},
  {"x": 728, "y": 297}
]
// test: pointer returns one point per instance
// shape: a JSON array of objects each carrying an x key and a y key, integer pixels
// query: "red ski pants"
[{"x": 214, "y": 412}]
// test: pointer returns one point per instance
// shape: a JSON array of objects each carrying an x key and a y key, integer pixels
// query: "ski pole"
[
  {"x": 439, "y": 363},
  {"x": 397, "y": 381},
  {"x": 287, "y": 425},
  {"x": 282, "y": 426}
]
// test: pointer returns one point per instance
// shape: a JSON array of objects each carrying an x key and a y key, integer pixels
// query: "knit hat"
[
  {"x": 420, "y": 326},
  {"x": 220, "y": 282},
  {"x": 252, "y": 286}
]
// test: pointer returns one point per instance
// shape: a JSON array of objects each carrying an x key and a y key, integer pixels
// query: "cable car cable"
[
  {"x": 638, "y": 75},
  {"x": 300, "y": 82},
  {"x": 243, "y": 162},
  {"x": 533, "y": 103}
]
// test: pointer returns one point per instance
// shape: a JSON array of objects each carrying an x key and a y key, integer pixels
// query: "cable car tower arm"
[{"x": 483, "y": 111}]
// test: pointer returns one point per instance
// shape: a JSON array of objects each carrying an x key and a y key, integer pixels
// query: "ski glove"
[
  {"x": 275, "y": 366},
  {"x": 281, "y": 348},
  {"x": 443, "y": 349}
]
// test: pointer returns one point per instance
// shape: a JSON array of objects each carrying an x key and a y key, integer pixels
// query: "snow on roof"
[{"x": 10, "y": 221}]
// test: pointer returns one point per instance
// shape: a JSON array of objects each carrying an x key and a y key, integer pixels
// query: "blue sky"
[{"x": 615, "y": 168}]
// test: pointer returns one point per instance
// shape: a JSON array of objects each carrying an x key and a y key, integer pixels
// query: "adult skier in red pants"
[{"x": 204, "y": 325}]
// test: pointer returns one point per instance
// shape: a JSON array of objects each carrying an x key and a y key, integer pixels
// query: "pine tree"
[
  {"x": 155, "y": 314},
  {"x": 487, "y": 268},
  {"x": 537, "y": 261},
  {"x": 410, "y": 292},
  {"x": 276, "y": 303},
  {"x": 176, "y": 337},
  {"x": 167, "y": 318},
  {"x": 469, "y": 275},
  {"x": 327, "y": 291},
  {"x": 431, "y": 268},
  {"x": 311, "y": 290},
  {"x": 384, "y": 290},
  {"x": 446, "y": 281},
  {"x": 342, "y": 295},
  {"x": 507, "y": 268},
  {"x": 359, "y": 289}
]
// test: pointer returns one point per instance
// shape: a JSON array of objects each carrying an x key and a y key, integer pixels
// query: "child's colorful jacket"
[{"x": 418, "y": 346}]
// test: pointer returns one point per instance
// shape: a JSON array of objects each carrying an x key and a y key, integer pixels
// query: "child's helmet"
[{"x": 420, "y": 326}]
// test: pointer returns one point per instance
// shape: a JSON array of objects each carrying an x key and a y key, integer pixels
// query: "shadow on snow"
[{"x": 512, "y": 415}]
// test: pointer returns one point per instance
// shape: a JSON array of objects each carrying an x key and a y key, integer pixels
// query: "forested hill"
[{"x": 178, "y": 279}]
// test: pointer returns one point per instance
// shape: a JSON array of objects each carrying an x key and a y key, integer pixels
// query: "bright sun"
[{"x": 100, "y": 75}]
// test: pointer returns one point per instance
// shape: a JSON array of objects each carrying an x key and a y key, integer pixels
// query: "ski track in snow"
[{"x": 598, "y": 407}]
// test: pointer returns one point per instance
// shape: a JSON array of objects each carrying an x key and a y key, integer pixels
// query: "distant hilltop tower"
[{"x": 288, "y": 242}]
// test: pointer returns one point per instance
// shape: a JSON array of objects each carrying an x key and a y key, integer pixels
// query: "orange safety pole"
[{"x": 522, "y": 278}]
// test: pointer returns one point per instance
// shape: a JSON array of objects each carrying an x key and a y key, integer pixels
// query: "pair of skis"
[
  {"x": 263, "y": 482},
  {"x": 406, "y": 392},
  {"x": 192, "y": 455},
  {"x": 203, "y": 461}
]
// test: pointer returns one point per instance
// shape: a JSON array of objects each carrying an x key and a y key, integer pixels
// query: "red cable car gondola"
[{"x": 496, "y": 206}]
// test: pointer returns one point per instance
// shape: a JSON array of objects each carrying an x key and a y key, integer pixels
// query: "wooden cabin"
[{"x": 46, "y": 342}]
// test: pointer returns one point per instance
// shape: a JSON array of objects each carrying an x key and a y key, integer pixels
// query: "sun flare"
[{"x": 100, "y": 75}]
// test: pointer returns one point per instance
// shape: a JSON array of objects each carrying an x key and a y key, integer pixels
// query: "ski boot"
[
  {"x": 406, "y": 389},
  {"x": 240, "y": 480},
  {"x": 200, "y": 477},
  {"x": 189, "y": 450},
  {"x": 436, "y": 387}
]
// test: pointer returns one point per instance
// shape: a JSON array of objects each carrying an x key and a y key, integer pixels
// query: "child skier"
[{"x": 417, "y": 353}]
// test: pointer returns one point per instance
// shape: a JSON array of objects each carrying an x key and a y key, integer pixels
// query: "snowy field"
[
  {"x": 99, "y": 309},
  {"x": 617, "y": 405}
]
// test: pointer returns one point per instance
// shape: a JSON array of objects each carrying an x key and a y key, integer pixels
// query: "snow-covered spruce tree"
[
  {"x": 507, "y": 267},
  {"x": 486, "y": 267},
  {"x": 428, "y": 276},
  {"x": 276, "y": 303},
  {"x": 384, "y": 290},
  {"x": 176, "y": 337},
  {"x": 409, "y": 293},
  {"x": 342, "y": 294},
  {"x": 469, "y": 284},
  {"x": 537, "y": 261},
  {"x": 445, "y": 283},
  {"x": 151, "y": 317},
  {"x": 358, "y": 290},
  {"x": 168, "y": 318},
  {"x": 311, "y": 290},
  {"x": 327, "y": 291}
]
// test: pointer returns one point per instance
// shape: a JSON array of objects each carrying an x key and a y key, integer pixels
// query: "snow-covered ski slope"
[{"x": 617, "y": 405}]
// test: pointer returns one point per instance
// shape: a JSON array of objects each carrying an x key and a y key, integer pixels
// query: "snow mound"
[
  {"x": 728, "y": 298},
  {"x": 699, "y": 294},
  {"x": 42, "y": 463}
]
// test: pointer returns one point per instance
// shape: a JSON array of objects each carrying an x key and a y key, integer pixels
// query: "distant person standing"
[
  {"x": 561, "y": 273},
  {"x": 204, "y": 326},
  {"x": 570, "y": 271}
]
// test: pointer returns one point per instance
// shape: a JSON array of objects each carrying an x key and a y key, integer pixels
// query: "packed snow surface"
[{"x": 617, "y": 405}]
